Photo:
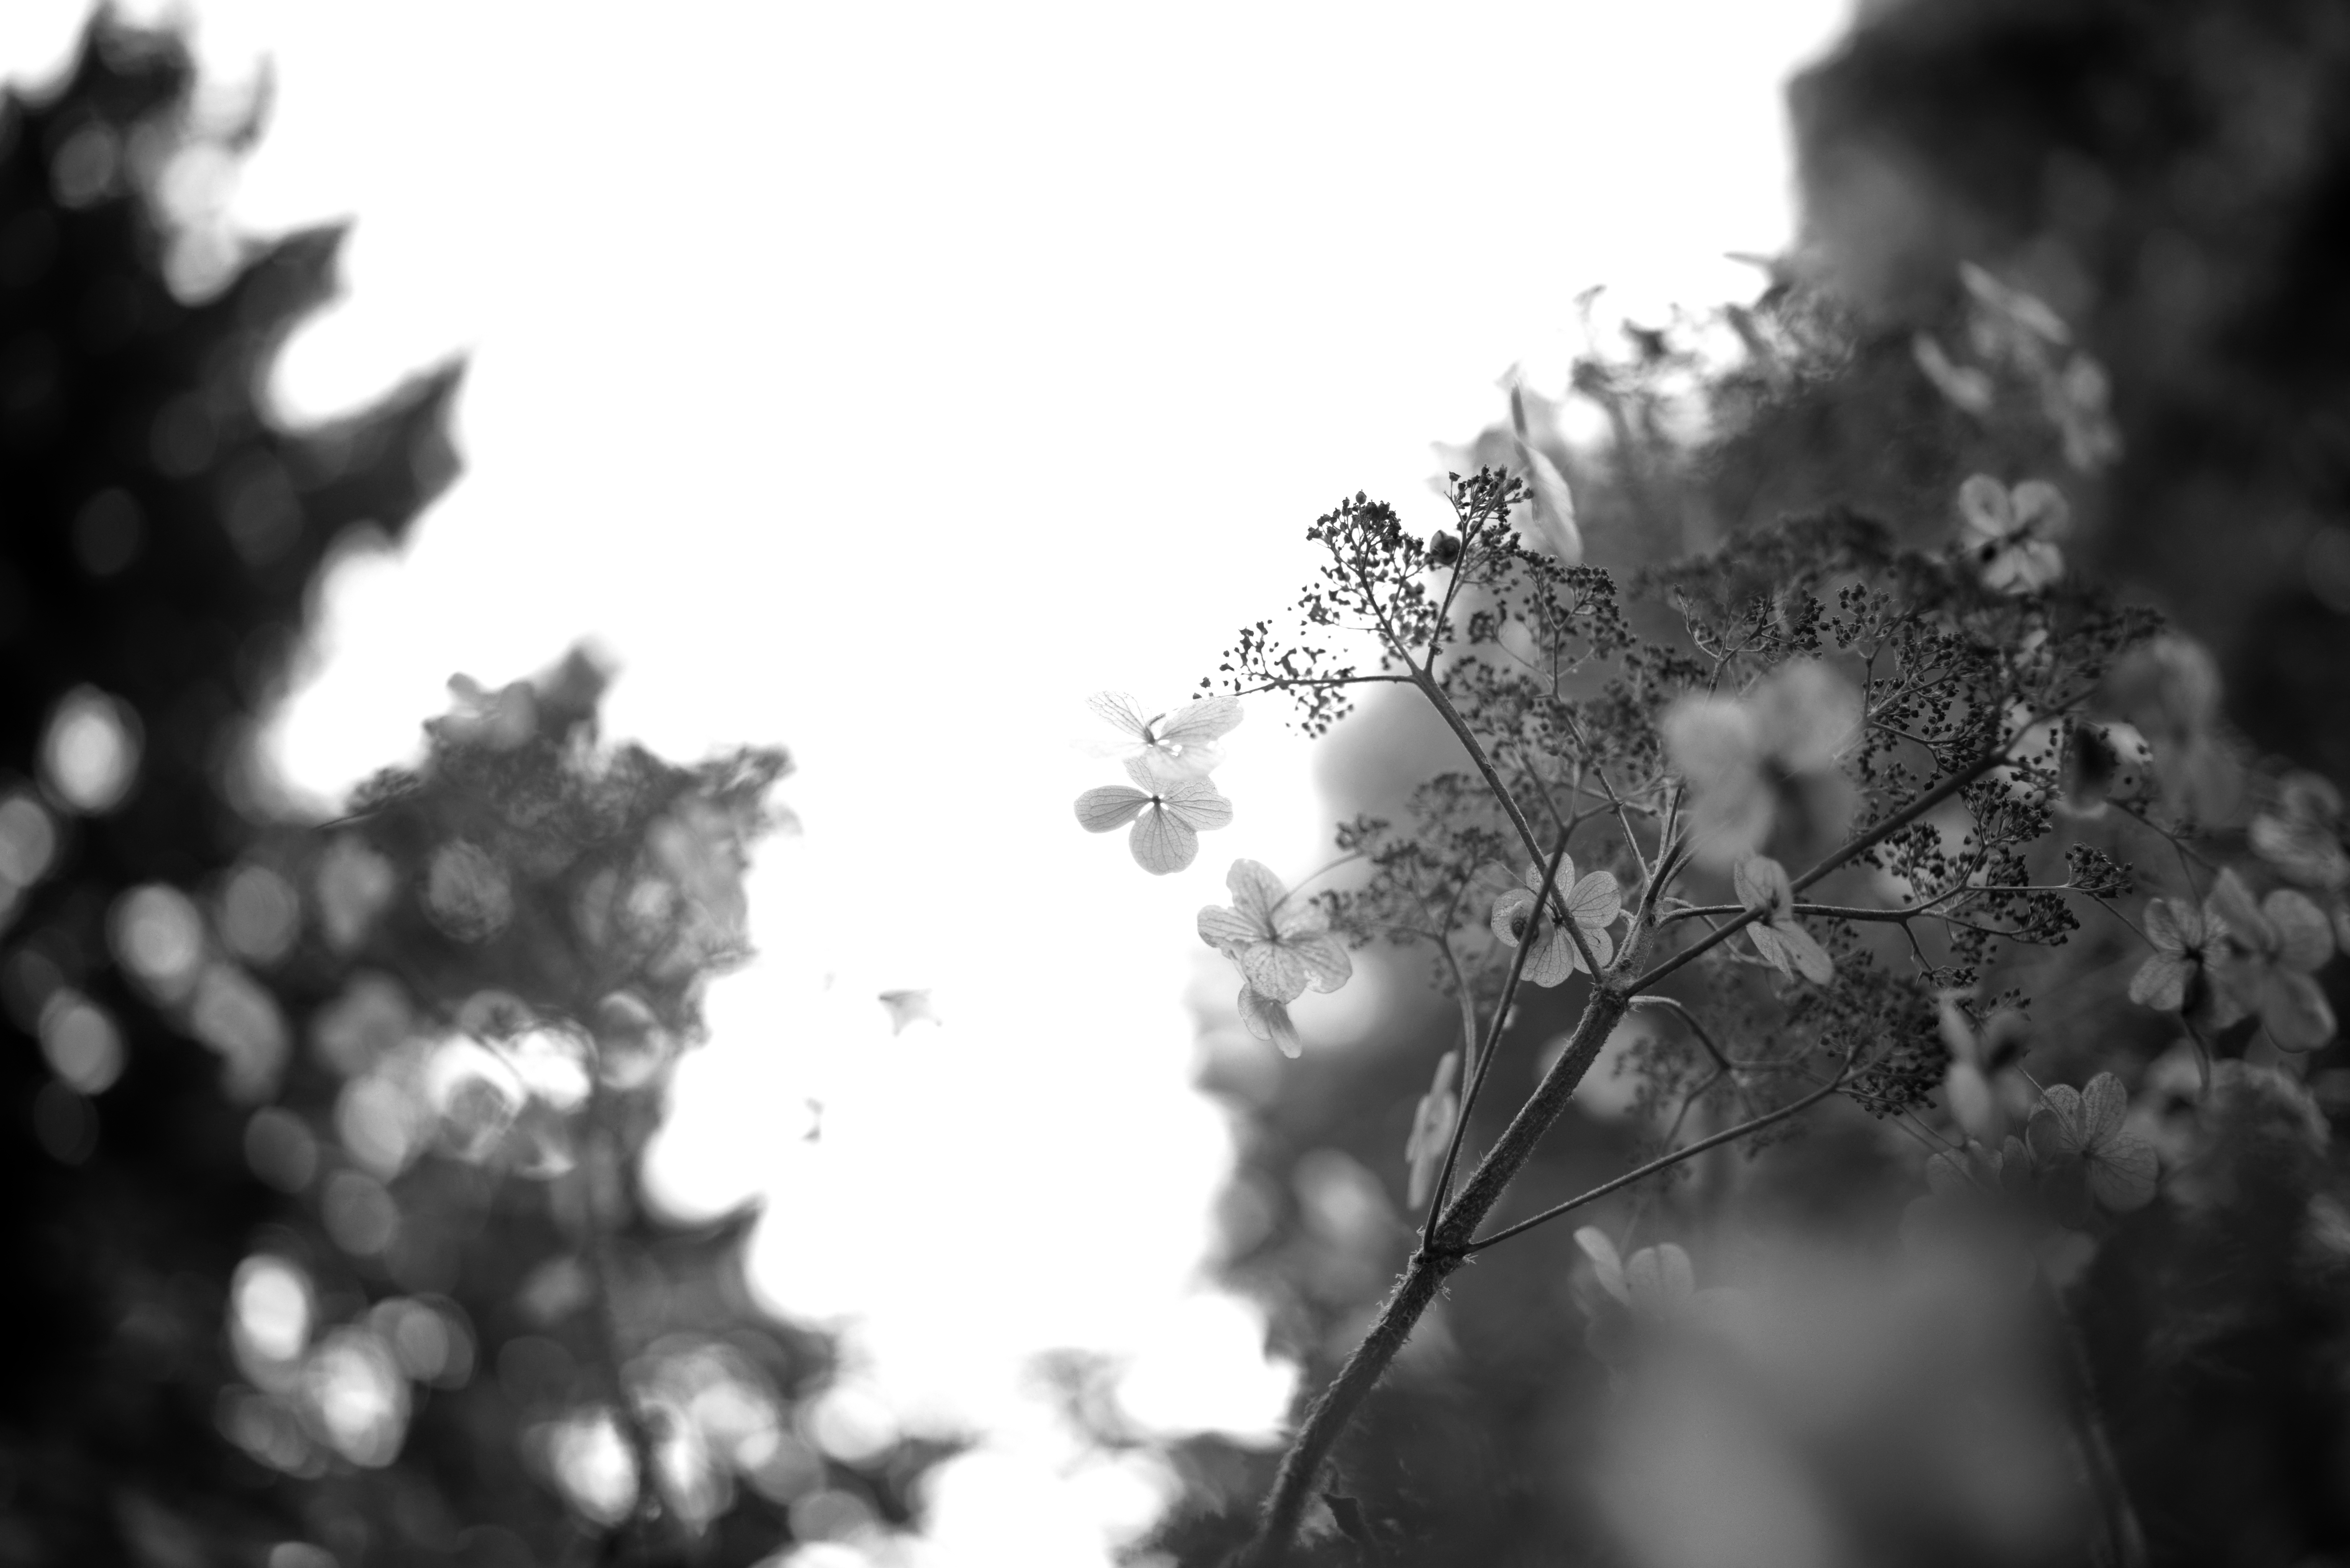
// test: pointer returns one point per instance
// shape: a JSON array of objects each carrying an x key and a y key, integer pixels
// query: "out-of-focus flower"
[
  {"x": 1979, "y": 1057},
  {"x": 2276, "y": 947},
  {"x": 1591, "y": 904},
  {"x": 2077, "y": 402},
  {"x": 1754, "y": 761},
  {"x": 2009, "y": 326},
  {"x": 1655, "y": 1288},
  {"x": 2105, "y": 762},
  {"x": 2011, "y": 536},
  {"x": 1550, "y": 502},
  {"x": 2187, "y": 942},
  {"x": 2169, "y": 688},
  {"x": 1431, "y": 1130},
  {"x": 2303, "y": 837},
  {"x": 2082, "y": 1150},
  {"x": 1779, "y": 937},
  {"x": 1281, "y": 946},
  {"x": 1965, "y": 386},
  {"x": 1182, "y": 741},
  {"x": 1168, "y": 811}
]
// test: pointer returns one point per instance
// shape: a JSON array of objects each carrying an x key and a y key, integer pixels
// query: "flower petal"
[
  {"x": 2232, "y": 902},
  {"x": 1552, "y": 959},
  {"x": 1604, "y": 1262},
  {"x": 1255, "y": 893},
  {"x": 2123, "y": 1174},
  {"x": 1120, "y": 711},
  {"x": 1803, "y": 950},
  {"x": 2041, "y": 510},
  {"x": 1269, "y": 1020},
  {"x": 1596, "y": 900},
  {"x": 1602, "y": 946},
  {"x": 1327, "y": 960},
  {"x": 1773, "y": 951},
  {"x": 1227, "y": 930},
  {"x": 1763, "y": 886},
  {"x": 2104, "y": 1103},
  {"x": 1805, "y": 714},
  {"x": 2161, "y": 981},
  {"x": 2304, "y": 940},
  {"x": 1200, "y": 721},
  {"x": 2298, "y": 1016},
  {"x": 1714, "y": 743},
  {"x": 1675, "y": 1276},
  {"x": 1110, "y": 806},
  {"x": 2174, "y": 927},
  {"x": 1162, "y": 842},
  {"x": 1274, "y": 972},
  {"x": 1984, "y": 510},
  {"x": 1196, "y": 803}
]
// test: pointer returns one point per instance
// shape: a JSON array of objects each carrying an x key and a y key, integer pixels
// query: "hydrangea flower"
[
  {"x": 1431, "y": 1130},
  {"x": 1778, "y": 935},
  {"x": 2083, "y": 1151},
  {"x": 2169, "y": 688},
  {"x": 2277, "y": 947},
  {"x": 2187, "y": 942},
  {"x": 1182, "y": 741},
  {"x": 2011, "y": 536},
  {"x": 1655, "y": 1288},
  {"x": 1592, "y": 905},
  {"x": 2077, "y": 401},
  {"x": 1168, "y": 811},
  {"x": 1751, "y": 762},
  {"x": 2303, "y": 837},
  {"x": 1281, "y": 948}
]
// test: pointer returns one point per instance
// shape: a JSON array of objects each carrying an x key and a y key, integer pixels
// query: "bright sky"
[{"x": 880, "y": 380}]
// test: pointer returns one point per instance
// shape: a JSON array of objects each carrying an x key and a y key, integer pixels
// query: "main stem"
[{"x": 1445, "y": 1249}]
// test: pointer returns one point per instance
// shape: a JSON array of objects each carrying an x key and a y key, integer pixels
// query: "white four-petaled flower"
[
  {"x": 1180, "y": 740},
  {"x": 1590, "y": 904},
  {"x": 1281, "y": 949},
  {"x": 2011, "y": 536},
  {"x": 1750, "y": 760},
  {"x": 1281, "y": 946},
  {"x": 1168, "y": 810}
]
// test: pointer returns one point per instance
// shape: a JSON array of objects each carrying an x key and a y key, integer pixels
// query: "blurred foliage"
[
  {"x": 2094, "y": 241},
  {"x": 323, "y": 1234}
]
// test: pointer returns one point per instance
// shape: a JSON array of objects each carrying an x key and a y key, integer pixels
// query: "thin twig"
[{"x": 1664, "y": 1162}]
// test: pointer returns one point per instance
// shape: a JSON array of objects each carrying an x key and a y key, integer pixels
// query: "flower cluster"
[
  {"x": 2232, "y": 959},
  {"x": 1171, "y": 802}
]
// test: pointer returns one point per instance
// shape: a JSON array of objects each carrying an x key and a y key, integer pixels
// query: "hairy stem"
[{"x": 1440, "y": 1252}]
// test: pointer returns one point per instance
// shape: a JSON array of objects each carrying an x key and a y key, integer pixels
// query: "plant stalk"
[{"x": 1445, "y": 1249}]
